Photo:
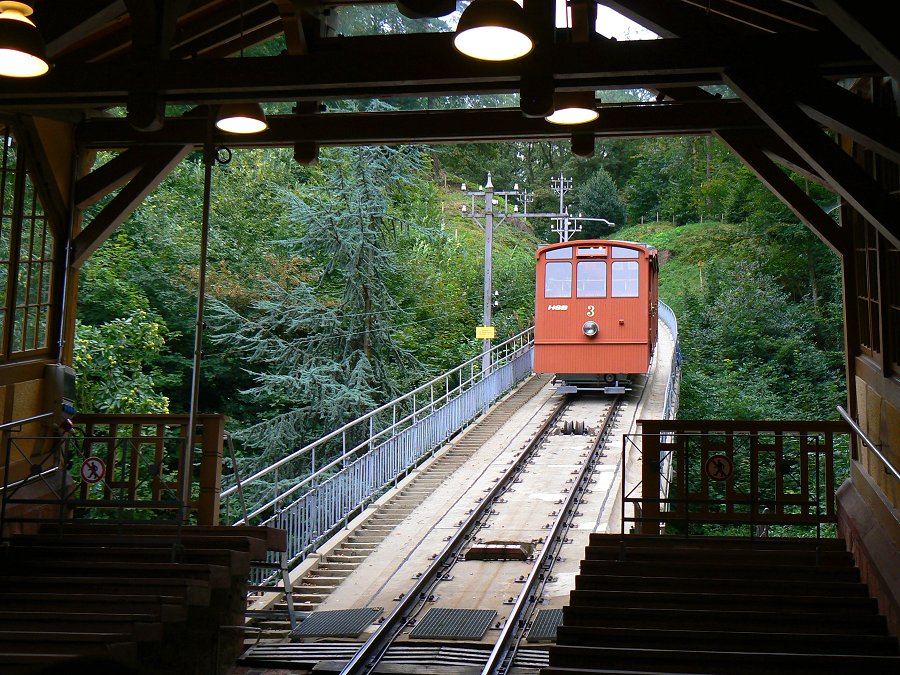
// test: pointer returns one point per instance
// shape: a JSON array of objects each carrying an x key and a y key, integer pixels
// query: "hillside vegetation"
[{"x": 333, "y": 288}]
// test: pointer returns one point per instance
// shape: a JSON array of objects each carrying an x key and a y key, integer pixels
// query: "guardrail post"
[
  {"x": 212, "y": 438},
  {"x": 650, "y": 480}
]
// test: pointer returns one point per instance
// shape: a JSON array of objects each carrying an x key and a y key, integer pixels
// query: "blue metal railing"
[
  {"x": 319, "y": 487},
  {"x": 670, "y": 407}
]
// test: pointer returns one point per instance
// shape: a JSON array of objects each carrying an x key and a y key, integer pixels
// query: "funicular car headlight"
[{"x": 590, "y": 328}]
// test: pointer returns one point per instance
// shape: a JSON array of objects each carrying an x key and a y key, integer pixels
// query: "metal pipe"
[
  {"x": 25, "y": 420},
  {"x": 187, "y": 456}
]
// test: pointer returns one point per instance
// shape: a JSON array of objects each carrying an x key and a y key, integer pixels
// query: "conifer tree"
[{"x": 322, "y": 350}]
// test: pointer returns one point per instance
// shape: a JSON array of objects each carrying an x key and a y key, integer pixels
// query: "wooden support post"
[
  {"x": 212, "y": 439},
  {"x": 650, "y": 480}
]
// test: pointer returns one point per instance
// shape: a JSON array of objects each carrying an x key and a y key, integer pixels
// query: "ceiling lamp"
[
  {"x": 22, "y": 50},
  {"x": 493, "y": 30},
  {"x": 576, "y": 107},
  {"x": 241, "y": 118}
]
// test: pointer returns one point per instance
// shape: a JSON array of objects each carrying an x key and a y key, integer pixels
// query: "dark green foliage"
[
  {"x": 598, "y": 197},
  {"x": 321, "y": 352},
  {"x": 752, "y": 352}
]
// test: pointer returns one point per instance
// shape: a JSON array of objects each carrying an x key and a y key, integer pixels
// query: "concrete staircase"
[{"x": 720, "y": 605}]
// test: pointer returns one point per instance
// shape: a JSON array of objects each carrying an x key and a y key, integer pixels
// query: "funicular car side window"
[
  {"x": 625, "y": 279},
  {"x": 591, "y": 279},
  {"x": 558, "y": 280}
]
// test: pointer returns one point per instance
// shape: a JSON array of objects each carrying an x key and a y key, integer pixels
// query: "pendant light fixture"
[
  {"x": 493, "y": 30},
  {"x": 575, "y": 107},
  {"x": 22, "y": 49},
  {"x": 241, "y": 118},
  {"x": 245, "y": 117}
]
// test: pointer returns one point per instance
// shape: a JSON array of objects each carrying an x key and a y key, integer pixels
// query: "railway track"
[{"x": 499, "y": 509}]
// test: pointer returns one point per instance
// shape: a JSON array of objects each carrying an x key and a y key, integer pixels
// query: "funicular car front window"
[
  {"x": 564, "y": 253},
  {"x": 622, "y": 252},
  {"x": 591, "y": 279},
  {"x": 625, "y": 280},
  {"x": 558, "y": 280}
]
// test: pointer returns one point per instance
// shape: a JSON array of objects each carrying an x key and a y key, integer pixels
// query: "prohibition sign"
[
  {"x": 92, "y": 470},
  {"x": 719, "y": 467}
]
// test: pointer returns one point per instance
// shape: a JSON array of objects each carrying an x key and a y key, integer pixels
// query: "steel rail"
[
  {"x": 367, "y": 657},
  {"x": 500, "y": 657}
]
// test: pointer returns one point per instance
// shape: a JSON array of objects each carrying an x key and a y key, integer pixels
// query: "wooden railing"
[
  {"x": 120, "y": 466},
  {"x": 143, "y": 456},
  {"x": 750, "y": 474}
]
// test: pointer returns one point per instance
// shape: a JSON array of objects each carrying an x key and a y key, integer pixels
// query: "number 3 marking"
[{"x": 590, "y": 311}]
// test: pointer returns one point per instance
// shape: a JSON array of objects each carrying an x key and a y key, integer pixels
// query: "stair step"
[
  {"x": 363, "y": 538},
  {"x": 663, "y": 542},
  {"x": 734, "y": 663},
  {"x": 337, "y": 566},
  {"x": 701, "y": 570},
  {"x": 673, "y": 600},
  {"x": 333, "y": 570},
  {"x": 313, "y": 598},
  {"x": 738, "y": 619},
  {"x": 328, "y": 582},
  {"x": 719, "y": 556},
  {"x": 710, "y": 640},
  {"x": 788, "y": 587},
  {"x": 345, "y": 559}
]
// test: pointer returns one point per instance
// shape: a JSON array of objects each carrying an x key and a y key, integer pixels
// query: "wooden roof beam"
[
  {"x": 64, "y": 30},
  {"x": 673, "y": 19},
  {"x": 781, "y": 185},
  {"x": 220, "y": 38},
  {"x": 773, "y": 102},
  {"x": 152, "y": 27},
  {"x": 845, "y": 112},
  {"x": 408, "y": 65},
  {"x": 110, "y": 176},
  {"x": 159, "y": 162},
  {"x": 866, "y": 24},
  {"x": 432, "y": 126},
  {"x": 748, "y": 14}
]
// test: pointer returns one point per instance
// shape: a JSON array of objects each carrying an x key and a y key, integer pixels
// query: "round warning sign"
[
  {"x": 719, "y": 467},
  {"x": 93, "y": 470}
]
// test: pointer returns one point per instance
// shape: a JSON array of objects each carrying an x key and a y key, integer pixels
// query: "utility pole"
[
  {"x": 526, "y": 197},
  {"x": 561, "y": 186},
  {"x": 488, "y": 225}
]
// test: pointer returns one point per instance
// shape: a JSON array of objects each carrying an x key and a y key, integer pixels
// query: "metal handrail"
[
  {"x": 25, "y": 420},
  {"x": 670, "y": 403},
  {"x": 523, "y": 337},
  {"x": 869, "y": 444}
]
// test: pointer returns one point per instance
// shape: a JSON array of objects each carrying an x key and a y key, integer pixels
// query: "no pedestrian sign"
[
  {"x": 93, "y": 470},
  {"x": 719, "y": 467}
]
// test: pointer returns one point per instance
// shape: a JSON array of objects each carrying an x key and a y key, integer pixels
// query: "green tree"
[
  {"x": 598, "y": 197},
  {"x": 322, "y": 350},
  {"x": 112, "y": 359}
]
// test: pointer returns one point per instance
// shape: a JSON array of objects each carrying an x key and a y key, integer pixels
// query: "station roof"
[{"x": 143, "y": 56}]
